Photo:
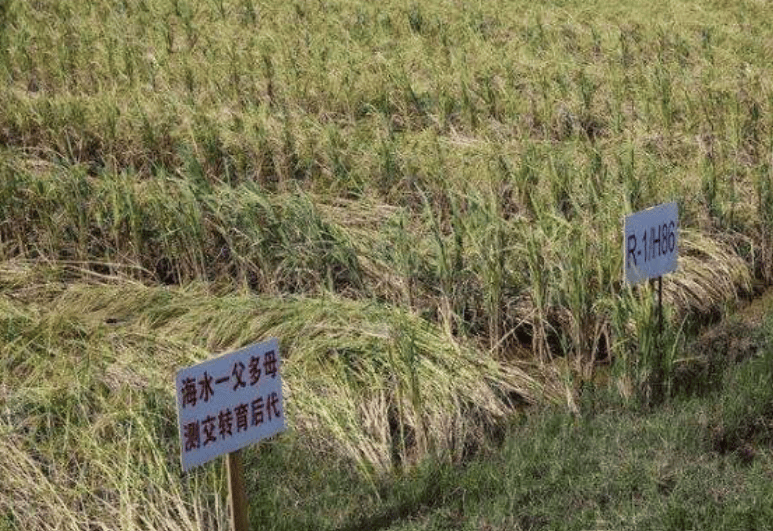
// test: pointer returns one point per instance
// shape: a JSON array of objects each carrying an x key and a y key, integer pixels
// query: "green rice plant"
[
  {"x": 536, "y": 245},
  {"x": 489, "y": 238},
  {"x": 579, "y": 285},
  {"x": 663, "y": 80},
  {"x": 710, "y": 188},
  {"x": 390, "y": 165},
  {"x": 765, "y": 209},
  {"x": 632, "y": 184},
  {"x": 405, "y": 254},
  {"x": 649, "y": 341},
  {"x": 172, "y": 226},
  {"x": 637, "y": 358},
  {"x": 444, "y": 269}
]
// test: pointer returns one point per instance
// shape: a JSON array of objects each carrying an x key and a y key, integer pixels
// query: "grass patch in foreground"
[{"x": 703, "y": 461}]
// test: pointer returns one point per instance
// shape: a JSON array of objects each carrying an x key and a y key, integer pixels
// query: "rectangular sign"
[
  {"x": 229, "y": 402},
  {"x": 650, "y": 243}
]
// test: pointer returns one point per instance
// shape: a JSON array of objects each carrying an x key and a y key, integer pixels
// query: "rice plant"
[{"x": 400, "y": 191}]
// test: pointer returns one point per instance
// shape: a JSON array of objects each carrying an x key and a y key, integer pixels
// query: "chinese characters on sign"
[
  {"x": 228, "y": 402},
  {"x": 650, "y": 243}
]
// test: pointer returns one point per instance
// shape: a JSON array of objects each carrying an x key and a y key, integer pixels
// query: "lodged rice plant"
[
  {"x": 422, "y": 201},
  {"x": 88, "y": 365}
]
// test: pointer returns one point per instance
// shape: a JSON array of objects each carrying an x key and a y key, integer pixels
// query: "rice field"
[{"x": 422, "y": 200}]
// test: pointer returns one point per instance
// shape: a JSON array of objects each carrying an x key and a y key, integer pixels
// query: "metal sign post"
[{"x": 660, "y": 306}]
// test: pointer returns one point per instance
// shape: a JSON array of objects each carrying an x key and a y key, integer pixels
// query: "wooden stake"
[{"x": 237, "y": 497}]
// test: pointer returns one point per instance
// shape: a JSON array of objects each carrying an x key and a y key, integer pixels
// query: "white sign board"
[
  {"x": 229, "y": 402},
  {"x": 650, "y": 243}
]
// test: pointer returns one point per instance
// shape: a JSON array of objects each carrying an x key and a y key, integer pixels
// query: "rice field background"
[{"x": 422, "y": 200}]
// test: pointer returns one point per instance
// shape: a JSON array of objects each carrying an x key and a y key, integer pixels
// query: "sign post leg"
[
  {"x": 237, "y": 497},
  {"x": 660, "y": 308},
  {"x": 659, "y": 391}
]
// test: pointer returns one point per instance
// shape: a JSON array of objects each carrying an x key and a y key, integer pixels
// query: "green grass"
[
  {"x": 701, "y": 462},
  {"x": 698, "y": 463},
  {"x": 423, "y": 202}
]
